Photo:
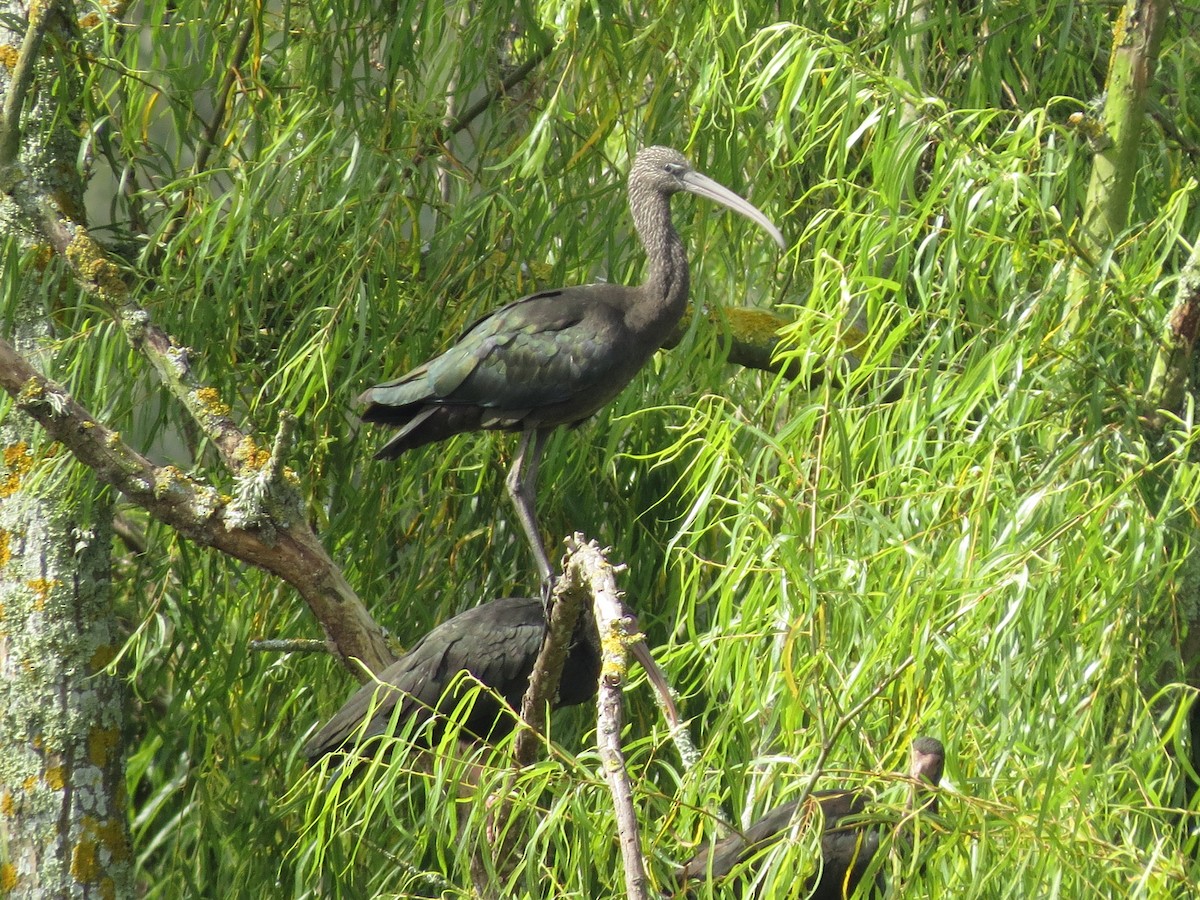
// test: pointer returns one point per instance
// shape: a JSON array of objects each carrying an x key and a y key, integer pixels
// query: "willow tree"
[{"x": 927, "y": 507}]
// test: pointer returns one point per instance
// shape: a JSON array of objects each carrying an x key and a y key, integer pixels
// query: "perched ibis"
[
  {"x": 847, "y": 844},
  {"x": 556, "y": 357},
  {"x": 497, "y": 643}
]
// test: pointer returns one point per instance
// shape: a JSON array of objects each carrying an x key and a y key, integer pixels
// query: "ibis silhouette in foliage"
[
  {"x": 848, "y": 845},
  {"x": 496, "y": 644},
  {"x": 556, "y": 357}
]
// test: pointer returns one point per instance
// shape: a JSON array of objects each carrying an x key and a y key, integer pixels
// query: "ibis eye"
[{"x": 674, "y": 169}]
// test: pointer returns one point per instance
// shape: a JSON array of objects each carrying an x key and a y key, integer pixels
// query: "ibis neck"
[{"x": 663, "y": 297}]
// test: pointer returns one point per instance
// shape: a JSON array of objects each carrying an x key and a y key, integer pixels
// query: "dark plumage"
[
  {"x": 497, "y": 643},
  {"x": 847, "y": 847},
  {"x": 556, "y": 357}
]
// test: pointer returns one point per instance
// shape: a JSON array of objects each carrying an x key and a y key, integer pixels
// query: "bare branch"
[
  {"x": 289, "y": 645},
  {"x": 618, "y": 632},
  {"x": 209, "y": 138},
  {"x": 570, "y": 594}
]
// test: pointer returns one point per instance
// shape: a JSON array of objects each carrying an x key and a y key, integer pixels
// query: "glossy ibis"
[
  {"x": 847, "y": 847},
  {"x": 497, "y": 643},
  {"x": 556, "y": 357}
]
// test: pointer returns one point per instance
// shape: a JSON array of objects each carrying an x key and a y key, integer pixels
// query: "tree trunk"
[
  {"x": 1136, "y": 38},
  {"x": 62, "y": 789}
]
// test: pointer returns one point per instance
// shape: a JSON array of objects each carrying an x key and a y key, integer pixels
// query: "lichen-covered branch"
[
  {"x": 63, "y": 708},
  {"x": 587, "y": 577},
  {"x": 751, "y": 338},
  {"x": 585, "y": 570},
  {"x": 201, "y": 514},
  {"x": 618, "y": 632},
  {"x": 588, "y": 568},
  {"x": 261, "y": 524}
]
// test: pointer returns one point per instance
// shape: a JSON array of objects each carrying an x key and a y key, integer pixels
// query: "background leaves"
[{"x": 996, "y": 556}]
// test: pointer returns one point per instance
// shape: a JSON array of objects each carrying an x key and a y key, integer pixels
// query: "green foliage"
[{"x": 996, "y": 557}]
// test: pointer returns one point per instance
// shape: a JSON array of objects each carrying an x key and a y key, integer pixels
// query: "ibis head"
[{"x": 847, "y": 844}]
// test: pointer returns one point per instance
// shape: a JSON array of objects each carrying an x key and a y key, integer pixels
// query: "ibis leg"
[
  {"x": 522, "y": 487},
  {"x": 658, "y": 680}
]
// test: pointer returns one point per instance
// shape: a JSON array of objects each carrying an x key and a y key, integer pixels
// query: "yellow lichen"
[
  {"x": 613, "y": 645},
  {"x": 212, "y": 403},
  {"x": 29, "y": 783},
  {"x": 55, "y": 777},
  {"x": 67, "y": 202},
  {"x": 89, "y": 261},
  {"x": 5, "y": 547},
  {"x": 91, "y": 20},
  {"x": 108, "y": 888},
  {"x": 7, "y": 807},
  {"x": 250, "y": 455},
  {"x": 101, "y": 743},
  {"x": 41, "y": 588},
  {"x": 112, "y": 835},
  {"x": 38, "y": 9},
  {"x": 8, "y": 877},
  {"x": 166, "y": 480},
  {"x": 17, "y": 461},
  {"x": 8, "y": 56},
  {"x": 31, "y": 391},
  {"x": 80, "y": 249},
  {"x": 17, "y": 457},
  {"x": 756, "y": 326},
  {"x": 84, "y": 867},
  {"x": 42, "y": 254},
  {"x": 85, "y": 859}
]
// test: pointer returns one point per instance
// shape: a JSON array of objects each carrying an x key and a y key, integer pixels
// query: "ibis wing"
[
  {"x": 496, "y": 642},
  {"x": 542, "y": 350}
]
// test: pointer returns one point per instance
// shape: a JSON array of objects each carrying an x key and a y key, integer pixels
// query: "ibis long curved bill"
[{"x": 703, "y": 186}]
